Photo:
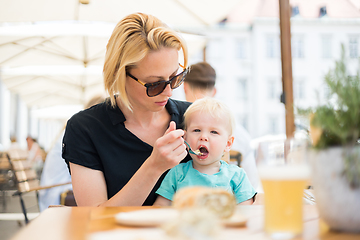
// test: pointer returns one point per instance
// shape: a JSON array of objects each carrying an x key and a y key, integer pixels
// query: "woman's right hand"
[{"x": 169, "y": 149}]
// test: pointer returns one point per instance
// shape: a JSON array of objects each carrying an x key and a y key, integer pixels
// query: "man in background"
[{"x": 199, "y": 83}]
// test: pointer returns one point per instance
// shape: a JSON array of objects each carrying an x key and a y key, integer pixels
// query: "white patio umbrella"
[
  {"x": 82, "y": 39},
  {"x": 51, "y": 64},
  {"x": 63, "y": 43},
  {"x": 54, "y": 85},
  {"x": 63, "y": 61},
  {"x": 54, "y": 44},
  {"x": 173, "y": 12}
]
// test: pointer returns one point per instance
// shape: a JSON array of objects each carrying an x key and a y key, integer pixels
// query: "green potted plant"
[{"x": 335, "y": 153}]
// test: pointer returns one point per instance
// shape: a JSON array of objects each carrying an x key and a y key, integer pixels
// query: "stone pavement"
[{"x": 11, "y": 216}]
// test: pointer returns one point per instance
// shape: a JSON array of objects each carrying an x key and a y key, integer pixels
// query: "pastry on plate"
[{"x": 217, "y": 200}]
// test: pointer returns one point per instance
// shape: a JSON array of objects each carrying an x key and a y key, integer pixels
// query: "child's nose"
[{"x": 204, "y": 138}]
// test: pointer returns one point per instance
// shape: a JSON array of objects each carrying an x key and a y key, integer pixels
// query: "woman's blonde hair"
[
  {"x": 132, "y": 39},
  {"x": 215, "y": 108}
]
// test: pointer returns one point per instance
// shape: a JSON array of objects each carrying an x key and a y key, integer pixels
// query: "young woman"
[{"x": 118, "y": 151}]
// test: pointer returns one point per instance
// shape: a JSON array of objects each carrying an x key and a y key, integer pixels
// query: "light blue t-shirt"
[{"x": 230, "y": 177}]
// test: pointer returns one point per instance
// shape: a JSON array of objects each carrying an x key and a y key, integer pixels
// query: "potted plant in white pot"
[{"x": 335, "y": 153}]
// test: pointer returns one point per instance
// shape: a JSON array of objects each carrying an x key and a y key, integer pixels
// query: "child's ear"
[
  {"x": 229, "y": 143},
  {"x": 184, "y": 134}
]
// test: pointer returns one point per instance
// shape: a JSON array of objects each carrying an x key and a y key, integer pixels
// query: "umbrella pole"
[{"x": 286, "y": 65}]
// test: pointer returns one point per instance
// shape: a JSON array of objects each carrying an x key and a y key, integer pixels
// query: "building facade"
[{"x": 246, "y": 55}]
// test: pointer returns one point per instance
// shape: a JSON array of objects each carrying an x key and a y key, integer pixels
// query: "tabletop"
[{"x": 70, "y": 223}]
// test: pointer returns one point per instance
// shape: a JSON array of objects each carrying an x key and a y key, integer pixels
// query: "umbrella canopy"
[
  {"x": 48, "y": 86},
  {"x": 63, "y": 43},
  {"x": 80, "y": 41},
  {"x": 173, "y": 12},
  {"x": 63, "y": 61},
  {"x": 54, "y": 44}
]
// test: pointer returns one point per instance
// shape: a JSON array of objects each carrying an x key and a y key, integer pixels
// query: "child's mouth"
[{"x": 203, "y": 151}]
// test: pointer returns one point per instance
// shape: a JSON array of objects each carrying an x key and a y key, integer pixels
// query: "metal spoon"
[
  {"x": 309, "y": 196},
  {"x": 196, "y": 152}
]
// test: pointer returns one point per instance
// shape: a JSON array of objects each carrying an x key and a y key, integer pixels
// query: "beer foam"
[{"x": 284, "y": 172}]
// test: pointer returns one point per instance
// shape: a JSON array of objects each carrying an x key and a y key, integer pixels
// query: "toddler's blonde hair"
[{"x": 216, "y": 108}]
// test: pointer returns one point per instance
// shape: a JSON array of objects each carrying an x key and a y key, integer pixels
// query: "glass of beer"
[{"x": 284, "y": 174}]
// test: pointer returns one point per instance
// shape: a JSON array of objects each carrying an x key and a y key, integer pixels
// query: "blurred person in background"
[
  {"x": 14, "y": 145},
  {"x": 55, "y": 170},
  {"x": 199, "y": 83},
  {"x": 35, "y": 155}
]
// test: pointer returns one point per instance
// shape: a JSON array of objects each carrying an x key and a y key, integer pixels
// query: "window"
[
  {"x": 271, "y": 89},
  {"x": 326, "y": 49},
  {"x": 323, "y": 93},
  {"x": 322, "y": 12},
  {"x": 273, "y": 125},
  {"x": 274, "y": 88},
  {"x": 242, "y": 89},
  {"x": 297, "y": 45},
  {"x": 295, "y": 11},
  {"x": 354, "y": 47},
  {"x": 272, "y": 46},
  {"x": 299, "y": 89},
  {"x": 241, "y": 49},
  {"x": 243, "y": 120},
  {"x": 215, "y": 49}
]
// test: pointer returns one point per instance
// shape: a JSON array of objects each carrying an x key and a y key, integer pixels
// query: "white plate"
[
  {"x": 158, "y": 216},
  {"x": 147, "y": 217},
  {"x": 236, "y": 220}
]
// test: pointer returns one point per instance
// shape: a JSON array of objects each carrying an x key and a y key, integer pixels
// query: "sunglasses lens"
[
  {"x": 157, "y": 88},
  {"x": 177, "y": 80},
  {"x": 154, "y": 90}
]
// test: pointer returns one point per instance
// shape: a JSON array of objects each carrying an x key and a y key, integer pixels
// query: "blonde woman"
[{"x": 118, "y": 151}]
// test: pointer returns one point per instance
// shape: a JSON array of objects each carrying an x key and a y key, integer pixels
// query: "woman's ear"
[
  {"x": 213, "y": 92},
  {"x": 229, "y": 143}
]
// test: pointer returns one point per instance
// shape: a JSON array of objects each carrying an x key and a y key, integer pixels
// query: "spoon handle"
[{"x": 191, "y": 151}]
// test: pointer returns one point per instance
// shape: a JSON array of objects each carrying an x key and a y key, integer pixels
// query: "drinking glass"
[{"x": 284, "y": 174}]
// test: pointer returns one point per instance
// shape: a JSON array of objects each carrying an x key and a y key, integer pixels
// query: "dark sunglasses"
[{"x": 156, "y": 88}]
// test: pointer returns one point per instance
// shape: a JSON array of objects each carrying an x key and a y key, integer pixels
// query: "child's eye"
[
  {"x": 214, "y": 132},
  {"x": 196, "y": 130}
]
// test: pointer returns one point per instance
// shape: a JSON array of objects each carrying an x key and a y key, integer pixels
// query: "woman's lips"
[{"x": 162, "y": 103}]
